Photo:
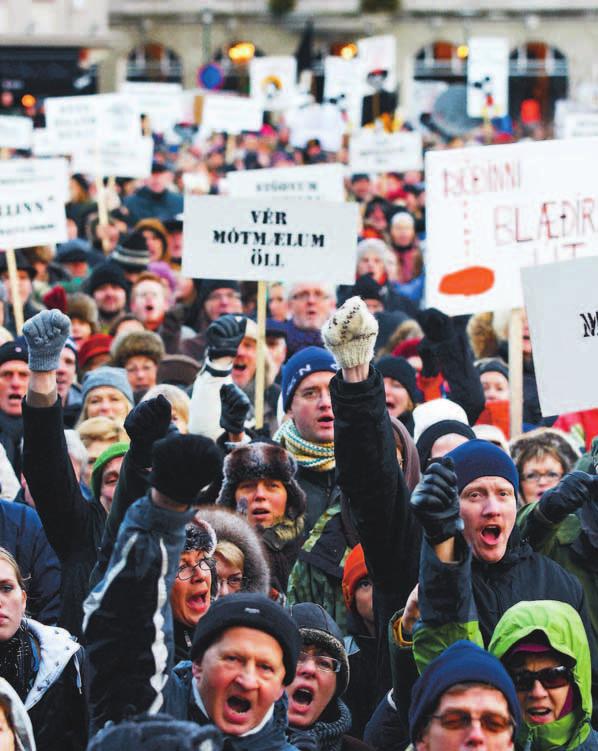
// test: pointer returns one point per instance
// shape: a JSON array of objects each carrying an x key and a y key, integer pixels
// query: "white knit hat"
[{"x": 435, "y": 410}]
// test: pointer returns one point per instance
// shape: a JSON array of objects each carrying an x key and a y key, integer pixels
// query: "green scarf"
[{"x": 316, "y": 456}]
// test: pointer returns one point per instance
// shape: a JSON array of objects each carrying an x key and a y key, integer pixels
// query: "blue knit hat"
[
  {"x": 462, "y": 662},
  {"x": 303, "y": 363},
  {"x": 482, "y": 459},
  {"x": 107, "y": 376}
]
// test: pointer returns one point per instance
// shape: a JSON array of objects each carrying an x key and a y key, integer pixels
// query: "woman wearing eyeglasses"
[{"x": 544, "y": 647}]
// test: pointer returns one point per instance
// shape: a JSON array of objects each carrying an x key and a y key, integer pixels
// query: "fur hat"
[
  {"x": 83, "y": 308},
  {"x": 134, "y": 343},
  {"x": 255, "y": 461}
]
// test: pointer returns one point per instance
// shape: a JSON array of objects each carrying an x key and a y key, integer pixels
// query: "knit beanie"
[
  {"x": 407, "y": 348},
  {"x": 402, "y": 371},
  {"x": 249, "y": 610},
  {"x": 15, "y": 350},
  {"x": 107, "y": 376},
  {"x": 116, "y": 449},
  {"x": 493, "y": 366},
  {"x": 208, "y": 286},
  {"x": 83, "y": 308},
  {"x": 132, "y": 254},
  {"x": 96, "y": 344},
  {"x": 108, "y": 272},
  {"x": 371, "y": 245},
  {"x": 436, "y": 410},
  {"x": 183, "y": 465},
  {"x": 22, "y": 263},
  {"x": 156, "y": 732},
  {"x": 317, "y": 628},
  {"x": 354, "y": 571},
  {"x": 133, "y": 343},
  {"x": 256, "y": 461},
  {"x": 302, "y": 364},
  {"x": 430, "y": 435},
  {"x": 368, "y": 288},
  {"x": 482, "y": 459},
  {"x": 462, "y": 662}
]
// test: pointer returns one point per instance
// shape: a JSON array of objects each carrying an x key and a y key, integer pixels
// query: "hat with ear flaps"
[{"x": 258, "y": 460}]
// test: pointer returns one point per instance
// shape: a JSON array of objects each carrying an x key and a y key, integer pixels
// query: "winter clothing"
[
  {"x": 134, "y": 343},
  {"x": 462, "y": 662},
  {"x": 482, "y": 459},
  {"x": 22, "y": 534},
  {"x": 17, "y": 718},
  {"x": 339, "y": 334},
  {"x": 493, "y": 366},
  {"x": 46, "y": 334},
  {"x": 116, "y": 378},
  {"x": 178, "y": 370},
  {"x": 436, "y": 430},
  {"x": 318, "y": 457},
  {"x": 328, "y": 733},
  {"x": 299, "y": 339},
  {"x": 96, "y": 344},
  {"x": 106, "y": 273},
  {"x": 132, "y": 253},
  {"x": 113, "y": 451},
  {"x": 144, "y": 203},
  {"x": 83, "y": 308},
  {"x": 11, "y": 435},
  {"x": 545, "y": 440},
  {"x": 436, "y": 410},
  {"x": 305, "y": 362},
  {"x": 361, "y": 695},
  {"x": 22, "y": 263},
  {"x": 353, "y": 572},
  {"x": 15, "y": 350}
]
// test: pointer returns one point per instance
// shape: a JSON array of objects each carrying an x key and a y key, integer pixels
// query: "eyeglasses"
[
  {"x": 317, "y": 295},
  {"x": 537, "y": 476},
  {"x": 457, "y": 719},
  {"x": 186, "y": 571},
  {"x": 556, "y": 677},
  {"x": 323, "y": 662},
  {"x": 234, "y": 582}
]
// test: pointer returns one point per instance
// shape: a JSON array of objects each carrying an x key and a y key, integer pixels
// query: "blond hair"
[
  {"x": 178, "y": 399},
  {"x": 231, "y": 554},
  {"x": 101, "y": 429},
  {"x": 9, "y": 558}
]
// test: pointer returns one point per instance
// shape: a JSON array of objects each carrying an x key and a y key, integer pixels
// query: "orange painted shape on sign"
[{"x": 473, "y": 280}]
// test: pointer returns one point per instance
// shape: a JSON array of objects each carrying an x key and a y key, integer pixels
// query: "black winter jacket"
[{"x": 319, "y": 489}]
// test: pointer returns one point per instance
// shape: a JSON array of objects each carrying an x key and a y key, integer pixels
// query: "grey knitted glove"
[
  {"x": 46, "y": 334},
  {"x": 350, "y": 334}
]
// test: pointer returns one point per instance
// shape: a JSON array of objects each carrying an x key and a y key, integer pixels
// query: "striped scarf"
[{"x": 316, "y": 456}]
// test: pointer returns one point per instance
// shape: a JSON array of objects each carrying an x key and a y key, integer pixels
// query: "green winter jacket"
[{"x": 561, "y": 543}]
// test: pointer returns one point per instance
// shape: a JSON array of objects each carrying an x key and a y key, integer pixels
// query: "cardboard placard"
[
  {"x": 322, "y": 121},
  {"x": 31, "y": 216},
  {"x": 29, "y": 173},
  {"x": 373, "y": 151},
  {"x": 74, "y": 122},
  {"x": 344, "y": 84},
  {"x": 493, "y": 210},
  {"x": 115, "y": 156},
  {"x": 273, "y": 81},
  {"x": 379, "y": 53},
  {"x": 269, "y": 239},
  {"x": 324, "y": 183},
  {"x": 161, "y": 102},
  {"x": 580, "y": 125},
  {"x": 488, "y": 77},
  {"x": 16, "y": 132},
  {"x": 45, "y": 143},
  {"x": 231, "y": 114},
  {"x": 562, "y": 314}
]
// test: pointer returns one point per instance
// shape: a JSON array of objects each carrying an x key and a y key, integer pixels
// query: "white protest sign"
[
  {"x": 322, "y": 121},
  {"x": 379, "y": 53},
  {"x": 492, "y": 210},
  {"x": 488, "y": 77},
  {"x": 322, "y": 182},
  {"x": 29, "y": 173},
  {"x": 373, "y": 151},
  {"x": 580, "y": 125},
  {"x": 16, "y": 132},
  {"x": 46, "y": 144},
  {"x": 31, "y": 216},
  {"x": 115, "y": 156},
  {"x": 562, "y": 313},
  {"x": 269, "y": 239},
  {"x": 231, "y": 114},
  {"x": 161, "y": 102},
  {"x": 344, "y": 84},
  {"x": 272, "y": 81},
  {"x": 76, "y": 121}
]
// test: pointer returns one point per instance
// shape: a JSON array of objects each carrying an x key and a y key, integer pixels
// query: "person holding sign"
[{"x": 26, "y": 275}]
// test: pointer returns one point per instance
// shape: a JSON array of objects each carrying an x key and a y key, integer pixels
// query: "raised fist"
[{"x": 350, "y": 333}]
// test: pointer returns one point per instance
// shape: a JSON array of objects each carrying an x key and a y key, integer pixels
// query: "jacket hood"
[
  {"x": 24, "y": 740},
  {"x": 565, "y": 632},
  {"x": 228, "y": 525}
]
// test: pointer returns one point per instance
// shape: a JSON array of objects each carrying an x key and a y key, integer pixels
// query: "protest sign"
[
  {"x": 492, "y": 210},
  {"x": 379, "y": 53},
  {"x": 488, "y": 77},
  {"x": 16, "y": 132},
  {"x": 580, "y": 125},
  {"x": 344, "y": 85},
  {"x": 272, "y": 81},
  {"x": 374, "y": 151},
  {"x": 231, "y": 114},
  {"x": 162, "y": 103},
  {"x": 323, "y": 122},
  {"x": 562, "y": 313},
  {"x": 115, "y": 156},
  {"x": 31, "y": 215},
  {"x": 45, "y": 143},
  {"x": 269, "y": 239},
  {"x": 74, "y": 122},
  {"x": 322, "y": 182},
  {"x": 29, "y": 173}
]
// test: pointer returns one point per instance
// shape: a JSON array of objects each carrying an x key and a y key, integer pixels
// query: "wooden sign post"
[
  {"x": 516, "y": 372},
  {"x": 260, "y": 370}
]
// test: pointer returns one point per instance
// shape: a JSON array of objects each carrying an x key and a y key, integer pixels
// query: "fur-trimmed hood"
[
  {"x": 228, "y": 525},
  {"x": 255, "y": 461}
]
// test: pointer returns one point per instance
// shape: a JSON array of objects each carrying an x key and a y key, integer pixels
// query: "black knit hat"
[
  {"x": 318, "y": 628},
  {"x": 23, "y": 264},
  {"x": 256, "y": 461},
  {"x": 183, "y": 465},
  {"x": 208, "y": 286},
  {"x": 430, "y": 435},
  {"x": 16, "y": 350},
  {"x": 132, "y": 253},
  {"x": 108, "y": 272},
  {"x": 493, "y": 366},
  {"x": 249, "y": 610},
  {"x": 157, "y": 732},
  {"x": 399, "y": 369},
  {"x": 368, "y": 288}
]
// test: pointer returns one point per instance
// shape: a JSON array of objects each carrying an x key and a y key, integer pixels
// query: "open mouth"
[
  {"x": 238, "y": 704},
  {"x": 491, "y": 533},
  {"x": 325, "y": 419},
  {"x": 540, "y": 714},
  {"x": 260, "y": 512},
  {"x": 239, "y": 366},
  {"x": 198, "y": 602},
  {"x": 303, "y": 697},
  {"x": 15, "y": 398}
]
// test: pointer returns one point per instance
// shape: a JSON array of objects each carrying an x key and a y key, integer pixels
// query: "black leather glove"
[
  {"x": 224, "y": 335},
  {"x": 571, "y": 493},
  {"x": 437, "y": 326},
  {"x": 235, "y": 406},
  {"x": 147, "y": 423},
  {"x": 304, "y": 740},
  {"x": 435, "y": 502}
]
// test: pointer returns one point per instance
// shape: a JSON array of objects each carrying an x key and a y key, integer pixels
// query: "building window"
[{"x": 154, "y": 62}]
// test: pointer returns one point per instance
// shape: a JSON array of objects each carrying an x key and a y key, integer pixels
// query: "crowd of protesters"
[{"x": 382, "y": 565}]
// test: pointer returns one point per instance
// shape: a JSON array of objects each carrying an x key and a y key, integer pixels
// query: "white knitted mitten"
[{"x": 350, "y": 333}]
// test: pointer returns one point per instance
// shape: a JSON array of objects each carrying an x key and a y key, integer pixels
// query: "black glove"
[
  {"x": 435, "y": 502},
  {"x": 304, "y": 740},
  {"x": 430, "y": 363},
  {"x": 235, "y": 408},
  {"x": 437, "y": 326},
  {"x": 146, "y": 423},
  {"x": 224, "y": 335},
  {"x": 570, "y": 494}
]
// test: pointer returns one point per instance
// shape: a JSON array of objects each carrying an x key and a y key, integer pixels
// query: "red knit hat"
[
  {"x": 96, "y": 344},
  {"x": 355, "y": 570},
  {"x": 407, "y": 348}
]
